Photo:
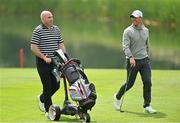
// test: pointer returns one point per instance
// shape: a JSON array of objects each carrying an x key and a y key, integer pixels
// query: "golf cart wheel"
[
  {"x": 87, "y": 118},
  {"x": 54, "y": 112}
]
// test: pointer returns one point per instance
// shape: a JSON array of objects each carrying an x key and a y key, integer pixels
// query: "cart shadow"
[
  {"x": 70, "y": 119},
  {"x": 155, "y": 115}
]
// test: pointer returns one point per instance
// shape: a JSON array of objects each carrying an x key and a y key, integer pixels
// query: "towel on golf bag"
[{"x": 81, "y": 90}]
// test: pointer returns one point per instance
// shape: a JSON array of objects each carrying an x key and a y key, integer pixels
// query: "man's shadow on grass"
[{"x": 155, "y": 115}]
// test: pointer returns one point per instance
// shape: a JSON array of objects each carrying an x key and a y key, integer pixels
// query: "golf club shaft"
[
  {"x": 123, "y": 97},
  {"x": 125, "y": 88}
]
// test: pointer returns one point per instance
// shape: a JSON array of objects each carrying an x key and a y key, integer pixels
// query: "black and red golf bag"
[{"x": 81, "y": 90}]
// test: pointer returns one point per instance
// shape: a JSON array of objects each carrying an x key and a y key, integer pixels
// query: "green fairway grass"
[{"x": 19, "y": 88}]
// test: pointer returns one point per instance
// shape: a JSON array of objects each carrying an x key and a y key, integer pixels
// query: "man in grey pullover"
[{"x": 136, "y": 48}]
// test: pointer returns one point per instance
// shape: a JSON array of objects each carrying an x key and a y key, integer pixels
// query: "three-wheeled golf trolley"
[{"x": 81, "y": 90}]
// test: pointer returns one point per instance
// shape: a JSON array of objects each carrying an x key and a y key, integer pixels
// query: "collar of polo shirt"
[{"x": 44, "y": 27}]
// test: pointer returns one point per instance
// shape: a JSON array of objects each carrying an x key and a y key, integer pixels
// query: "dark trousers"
[
  {"x": 143, "y": 67},
  {"x": 50, "y": 85}
]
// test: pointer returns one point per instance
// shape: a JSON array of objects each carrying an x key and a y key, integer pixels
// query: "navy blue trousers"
[
  {"x": 49, "y": 82},
  {"x": 143, "y": 67}
]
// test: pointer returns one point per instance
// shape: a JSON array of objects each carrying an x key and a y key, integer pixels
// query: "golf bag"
[{"x": 81, "y": 90}]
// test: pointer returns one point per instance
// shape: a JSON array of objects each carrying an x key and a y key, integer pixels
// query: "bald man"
[{"x": 46, "y": 38}]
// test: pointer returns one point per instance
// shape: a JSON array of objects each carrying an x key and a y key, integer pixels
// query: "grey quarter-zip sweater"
[{"x": 136, "y": 42}]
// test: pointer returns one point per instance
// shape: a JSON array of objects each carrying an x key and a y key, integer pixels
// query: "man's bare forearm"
[
  {"x": 35, "y": 50},
  {"x": 62, "y": 47}
]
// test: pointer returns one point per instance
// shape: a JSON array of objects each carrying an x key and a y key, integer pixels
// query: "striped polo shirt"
[{"x": 46, "y": 39}]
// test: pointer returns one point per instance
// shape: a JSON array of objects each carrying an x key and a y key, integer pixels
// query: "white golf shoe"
[
  {"x": 116, "y": 103},
  {"x": 150, "y": 110},
  {"x": 47, "y": 115},
  {"x": 41, "y": 104}
]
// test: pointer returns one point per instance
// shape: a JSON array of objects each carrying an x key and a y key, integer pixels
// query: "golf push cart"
[{"x": 81, "y": 90}]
